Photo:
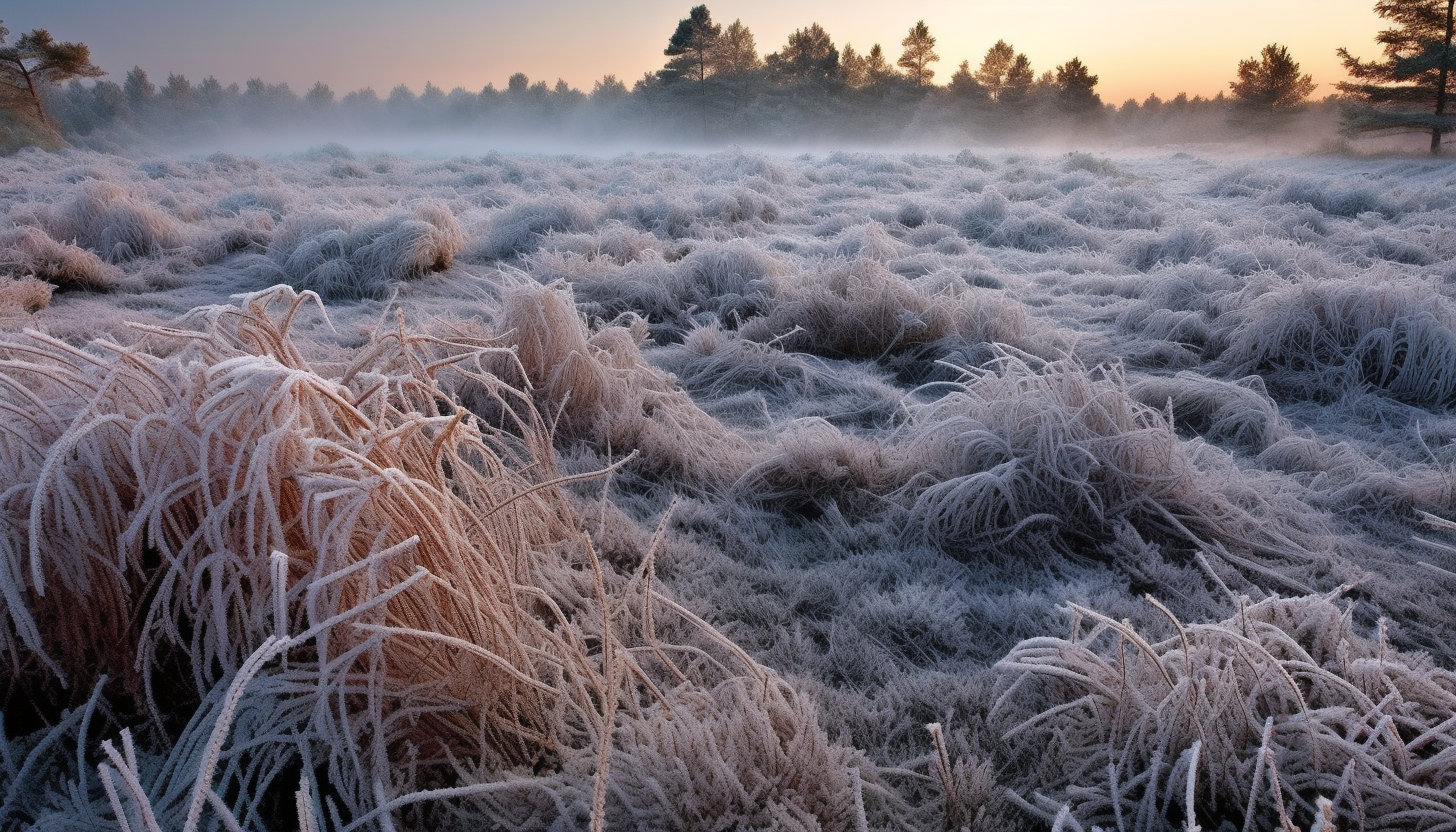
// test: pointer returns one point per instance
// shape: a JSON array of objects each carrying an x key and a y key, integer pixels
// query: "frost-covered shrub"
[
  {"x": 519, "y": 228},
  {"x": 714, "y": 270},
  {"x": 1337, "y": 197},
  {"x": 1317, "y": 339},
  {"x": 869, "y": 241},
  {"x": 648, "y": 287},
  {"x": 1118, "y": 209},
  {"x": 967, "y": 159},
  {"x": 980, "y": 219},
  {"x": 1029, "y": 454},
  {"x": 274, "y": 202},
  {"x": 23, "y": 296},
  {"x": 341, "y": 257},
  {"x": 1233, "y": 414},
  {"x": 1276, "y": 717},
  {"x": 114, "y": 224},
  {"x": 1099, "y": 165},
  {"x": 1241, "y": 181},
  {"x": 612, "y": 240},
  {"x": 813, "y": 464},
  {"x": 740, "y": 205},
  {"x": 606, "y": 392},
  {"x": 1039, "y": 231},
  {"x": 667, "y": 217},
  {"x": 742, "y": 751},
  {"x": 858, "y": 309},
  {"x": 311, "y": 583},
  {"x": 1142, "y": 250},
  {"x": 29, "y": 251}
]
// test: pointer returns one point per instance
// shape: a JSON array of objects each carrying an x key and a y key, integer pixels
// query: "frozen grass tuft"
[
  {"x": 338, "y": 257},
  {"x": 22, "y": 296},
  {"x": 1237, "y": 415},
  {"x": 347, "y": 576},
  {"x": 607, "y": 394},
  {"x": 1278, "y": 714},
  {"x": 30, "y": 251},
  {"x": 519, "y": 229},
  {"x": 858, "y": 309},
  {"x": 1028, "y": 456},
  {"x": 115, "y": 225},
  {"x": 1319, "y": 339}
]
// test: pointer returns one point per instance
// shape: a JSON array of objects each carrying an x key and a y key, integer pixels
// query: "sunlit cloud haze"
[{"x": 1137, "y": 47}]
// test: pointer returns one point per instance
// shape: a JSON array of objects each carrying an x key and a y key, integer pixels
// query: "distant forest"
[{"x": 714, "y": 87}]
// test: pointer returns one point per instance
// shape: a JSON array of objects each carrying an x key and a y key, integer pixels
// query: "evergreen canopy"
[
  {"x": 1410, "y": 88},
  {"x": 37, "y": 59}
]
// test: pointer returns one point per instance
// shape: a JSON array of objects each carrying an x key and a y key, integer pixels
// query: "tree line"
[{"x": 715, "y": 84}]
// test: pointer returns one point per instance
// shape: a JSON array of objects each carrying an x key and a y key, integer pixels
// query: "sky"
[{"x": 1136, "y": 47}]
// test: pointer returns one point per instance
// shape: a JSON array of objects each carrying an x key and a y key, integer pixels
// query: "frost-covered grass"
[{"x": 669, "y": 491}]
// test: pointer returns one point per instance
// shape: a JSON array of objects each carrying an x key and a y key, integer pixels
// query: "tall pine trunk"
[{"x": 1443, "y": 74}]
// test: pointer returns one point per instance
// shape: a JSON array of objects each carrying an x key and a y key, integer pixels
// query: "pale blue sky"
[{"x": 1136, "y": 46}]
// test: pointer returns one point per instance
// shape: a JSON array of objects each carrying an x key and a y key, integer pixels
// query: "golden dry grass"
[{"x": 186, "y": 512}]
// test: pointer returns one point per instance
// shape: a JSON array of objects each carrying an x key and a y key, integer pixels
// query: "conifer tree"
[
  {"x": 140, "y": 90},
  {"x": 1269, "y": 86},
  {"x": 1018, "y": 86},
  {"x": 919, "y": 54},
  {"x": 809, "y": 55},
  {"x": 33, "y": 61},
  {"x": 853, "y": 68},
  {"x": 1411, "y": 88},
  {"x": 993, "y": 69},
  {"x": 1075, "y": 88},
  {"x": 965, "y": 89},
  {"x": 877, "y": 69},
  {"x": 690, "y": 47},
  {"x": 734, "y": 52}
]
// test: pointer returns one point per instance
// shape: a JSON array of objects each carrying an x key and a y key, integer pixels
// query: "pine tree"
[
  {"x": 690, "y": 47},
  {"x": 140, "y": 90},
  {"x": 1075, "y": 87},
  {"x": 33, "y": 61},
  {"x": 1269, "y": 87},
  {"x": 1018, "y": 86},
  {"x": 808, "y": 56},
  {"x": 734, "y": 52},
  {"x": 919, "y": 54},
  {"x": 877, "y": 69},
  {"x": 1410, "y": 89},
  {"x": 178, "y": 91},
  {"x": 965, "y": 89},
  {"x": 992, "y": 73},
  {"x": 853, "y": 68},
  {"x": 320, "y": 96}
]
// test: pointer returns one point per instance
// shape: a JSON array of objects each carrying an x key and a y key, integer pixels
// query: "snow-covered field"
[{"x": 843, "y": 491}]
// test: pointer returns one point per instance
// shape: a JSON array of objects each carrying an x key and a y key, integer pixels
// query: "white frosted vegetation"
[
  {"x": 344, "y": 255},
  {"x": 684, "y": 492},
  {"x": 1267, "y": 715}
]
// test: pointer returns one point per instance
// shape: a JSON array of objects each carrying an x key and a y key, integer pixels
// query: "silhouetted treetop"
[
  {"x": 690, "y": 47},
  {"x": 1269, "y": 86},
  {"x": 919, "y": 54},
  {"x": 1018, "y": 84},
  {"x": 37, "y": 59},
  {"x": 994, "y": 66},
  {"x": 808, "y": 56},
  {"x": 735, "y": 52},
  {"x": 1076, "y": 88}
]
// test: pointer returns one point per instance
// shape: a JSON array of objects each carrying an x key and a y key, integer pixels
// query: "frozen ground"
[{"x": 1130, "y": 473}]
